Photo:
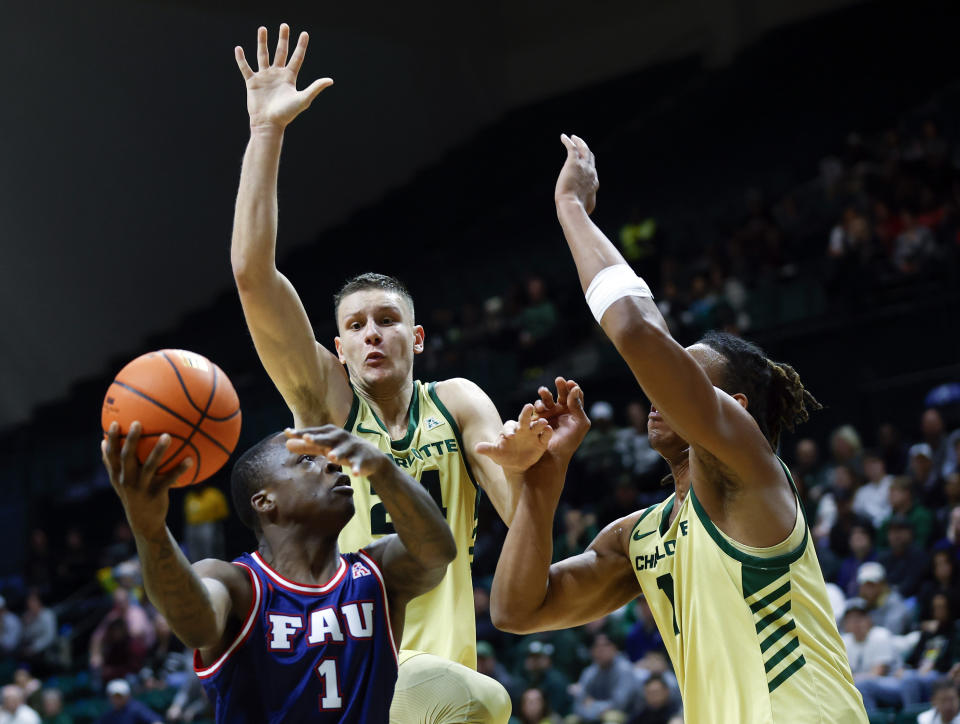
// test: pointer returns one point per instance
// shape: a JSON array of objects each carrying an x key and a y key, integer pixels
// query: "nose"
[
  {"x": 332, "y": 468},
  {"x": 372, "y": 333}
]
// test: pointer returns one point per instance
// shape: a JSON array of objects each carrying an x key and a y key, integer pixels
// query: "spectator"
[
  {"x": 643, "y": 637},
  {"x": 578, "y": 530},
  {"x": 29, "y": 686},
  {"x": 120, "y": 643},
  {"x": 914, "y": 248},
  {"x": 846, "y": 448},
  {"x": 539, "y": 672},
  {"x": 934, "y": 432},
  {"x": 808, "y": 472},
  {"x": 166, "y": 658},
  {"x": 891, "y": 448},
  {"x": 621, "y": 503},
  {"x": 872, "y": 655},
  {"x": 13, "y": 709},
  {"x": 658, "y": 706},
  {"x": 204, "y": 512},
  {"x": 886, "y": 607},
  {"x": 934, "y": 653},
  {"x": 75, "y": 568},
  {"x": 191, "y": 701},
  {"x": 51, "y": 707},
  {"x": 862, "y": 549},
  {"x": 125, "y": 710},
  {"x": 10, "y": 630},
  {"x": 845, "y": 482},
  {"x": 945, "y": 703},
  {"x": 39, "y": 632},
  {"x": 904, "y": 562},
  {"x": 121, "y": 548},
  {"x": 872, "y": 499},
  {"x": 488, "y": 665},
  {"x": 538, "y": 318},
  {"x": 951, "y": 493},
  {"x": 942, "y": 578},
  {"x": 40, "y": 562},
  {"x": 608, "y": 686},
  {"x": 535, "y": 709},
  {"x": 597, "y": 455},
  {"x": 642, "y": 461},
  {"x": 924, "y": 474},
  {"x": 902, "y": 503}
]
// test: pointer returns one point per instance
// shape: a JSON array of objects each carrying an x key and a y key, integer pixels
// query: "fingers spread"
[
  {"x": 296, "y": 60},
  {"x": 280, "y": 56},
  {"x": 245, "y": 70},
  {"x": 263, "y": 55}
]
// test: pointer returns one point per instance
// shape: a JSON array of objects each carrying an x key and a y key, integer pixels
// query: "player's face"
[
  {"x": 310, "y": 488},
  {"x": 378, "y": 338},
  {"x": 662, "y": 438}
]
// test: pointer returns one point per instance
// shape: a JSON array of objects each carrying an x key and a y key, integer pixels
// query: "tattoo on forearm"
[{"x": 172, "y": 585}]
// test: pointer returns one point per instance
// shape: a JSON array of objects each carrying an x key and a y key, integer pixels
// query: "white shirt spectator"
[
  {"x": 877, "y": 649},
  {"x": 930, "y": 716},
  {"x": 23, "y": 715},
  {"x": 872, "y": 500}
]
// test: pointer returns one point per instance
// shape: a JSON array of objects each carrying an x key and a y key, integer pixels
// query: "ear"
[
  {"x": 263, "y": 501},
  {"x": 339, "y": 348},
  {"x": 418, "y": 337},
  {"x": 741, "y": 400}
]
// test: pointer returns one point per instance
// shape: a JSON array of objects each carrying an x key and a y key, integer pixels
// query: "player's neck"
[
  {"x": 390, "y": 403},
  {"x": 301, "y": 555},
  {"x": 680, "y": 470}
]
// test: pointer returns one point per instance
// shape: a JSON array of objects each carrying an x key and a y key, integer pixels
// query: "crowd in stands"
[{"x": 79, "y": 642}]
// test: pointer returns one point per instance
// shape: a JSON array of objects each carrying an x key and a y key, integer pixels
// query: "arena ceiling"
[{"x": 123, "y": 124}]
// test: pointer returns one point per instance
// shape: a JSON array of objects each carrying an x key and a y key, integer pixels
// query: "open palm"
[{"x": 272, "y": 95}]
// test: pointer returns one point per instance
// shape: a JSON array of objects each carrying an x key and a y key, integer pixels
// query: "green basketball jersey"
[
  {"x": 442, "y": 621},
  {"x": 750, "y": 631}
]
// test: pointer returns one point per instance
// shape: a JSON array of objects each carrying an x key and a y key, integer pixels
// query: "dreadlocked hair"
[{"x": 776, "y": 398}]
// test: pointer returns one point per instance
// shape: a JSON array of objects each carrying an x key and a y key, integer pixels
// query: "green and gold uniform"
[
  {"x": 442, "y": 621},
  {"x": 750, "y": 631}
]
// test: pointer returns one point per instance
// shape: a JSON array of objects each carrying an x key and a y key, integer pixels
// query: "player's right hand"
[
  {"x": 566, "y": 417},
  {"x": 272, "y": 96},
  {"x": 142, "y": 492},
  {"x": 339, "y": 447}
]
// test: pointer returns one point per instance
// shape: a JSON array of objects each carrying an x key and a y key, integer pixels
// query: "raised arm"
[
  {"x": 311, "y": 379},
  {"x": 416, "y": 558},
  {"x": 197, "y": 601},
  {"x": 529, "y": 594},
  {"x": 673, "y": 380}
]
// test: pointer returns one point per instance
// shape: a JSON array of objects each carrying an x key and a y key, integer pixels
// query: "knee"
[{"x": 494, "y": 706}]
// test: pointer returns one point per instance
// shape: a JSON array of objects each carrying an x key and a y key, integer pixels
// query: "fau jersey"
[{"x": 308, "y": 653}]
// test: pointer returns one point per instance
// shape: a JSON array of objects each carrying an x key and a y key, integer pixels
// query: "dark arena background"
[{"x": 787, "y": 171}]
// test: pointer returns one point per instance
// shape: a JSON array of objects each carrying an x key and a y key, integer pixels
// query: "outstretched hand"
[
  {"x": 521, "y": 442},
  {"x": 578, "y": 179},
  {"x": 339, "y": 447},
  {"x": 144, "y": 494},
  {"x": 555, "y": 426},
  {"x": 272, "y": 96}
]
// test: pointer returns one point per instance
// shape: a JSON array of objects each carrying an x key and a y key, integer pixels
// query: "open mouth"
[
  {"x": 375, "y": 357},
  {"x": 342, "y": 481}
]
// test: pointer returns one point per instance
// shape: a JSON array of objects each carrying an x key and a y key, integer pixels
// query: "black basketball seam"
[
  {"x": 163, "y": 407},
  {"x": 203, "y": 416},
  {"x": 190, "y": 399},
  {"x": 179, "y": 377},
  {"x": 196, "y": 470}
]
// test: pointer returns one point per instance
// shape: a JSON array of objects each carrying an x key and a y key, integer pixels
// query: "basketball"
[{"x": 184, "y": 395}]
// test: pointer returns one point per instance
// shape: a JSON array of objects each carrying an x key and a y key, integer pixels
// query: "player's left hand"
[
  {"x": 578, "y": 179},
  {"x": 521, "y": 443},
  {"x": 339, "y": 447},
  {"x": 566, "y": 416}
]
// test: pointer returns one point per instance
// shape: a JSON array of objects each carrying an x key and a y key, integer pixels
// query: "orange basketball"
[{"x": 184, "y": 395}]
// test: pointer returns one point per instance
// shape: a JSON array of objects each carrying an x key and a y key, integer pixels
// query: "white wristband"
[{"x": 612, "y": 283}]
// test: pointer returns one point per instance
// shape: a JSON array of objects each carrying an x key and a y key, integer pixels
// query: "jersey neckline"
[{"x": 293, "y": 586}]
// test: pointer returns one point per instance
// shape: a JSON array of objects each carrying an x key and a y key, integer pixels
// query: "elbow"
[
  {"x": 642, "y": 327},
  {"x": 506, "y": 620},
  {"x": 446, "y": 551}
]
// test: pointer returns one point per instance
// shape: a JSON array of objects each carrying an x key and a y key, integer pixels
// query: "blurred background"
[{"x": 786, "y": 171}]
